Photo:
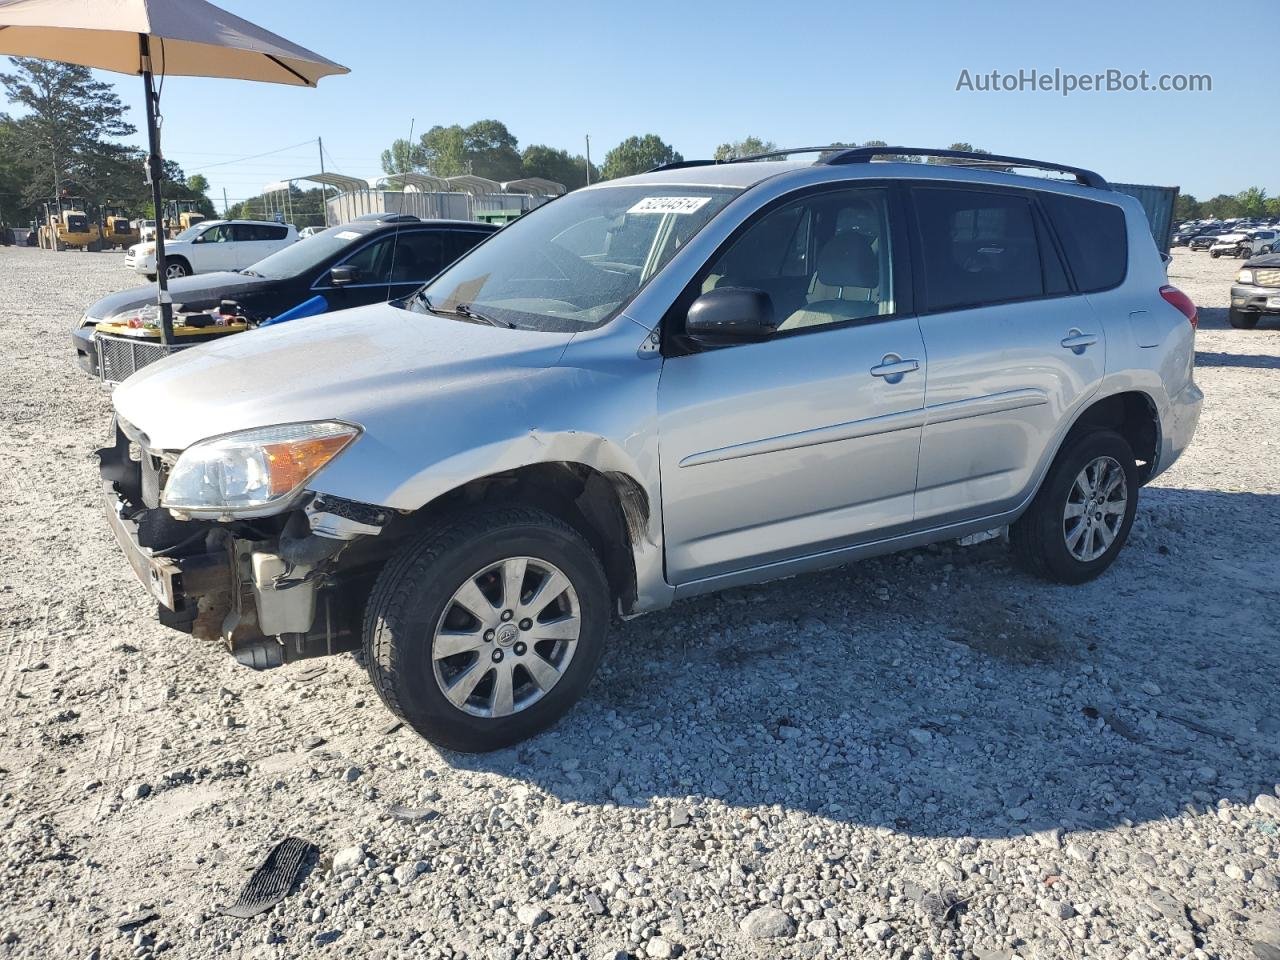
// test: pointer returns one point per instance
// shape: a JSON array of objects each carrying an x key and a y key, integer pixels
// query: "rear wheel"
[
  {"x": 1215, "y": 254},
  {"x": 1081, "y": 517},
  {"x": 487, "y": 627},
  {"x": 1242, "y": 320}
]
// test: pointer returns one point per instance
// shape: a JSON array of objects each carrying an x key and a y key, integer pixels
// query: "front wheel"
[
  {"x": 1241, "y": 320},
  {"x": 486, "y": 628},
  {"x": 1215, "y": 254},
  {"x": 1081, "y": 517},
  {"x": 175, "y": 269}
]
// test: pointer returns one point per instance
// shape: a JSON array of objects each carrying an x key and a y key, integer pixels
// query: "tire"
[
  {"x": 1040, "y": 538},
  {"x": 173, "y": 269},
  {"x": 415, "y": 598},
  {"x": 1244, "y": 253},
  {"x": 1242, "y": 320},
  {"x": 1215, "y": 254}
]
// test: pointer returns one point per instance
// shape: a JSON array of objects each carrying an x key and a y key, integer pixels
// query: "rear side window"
[
  {"x": 1093, "y": 237},
  {"x": 260, "y": 231},
  {"x": 978, "y": 248}
]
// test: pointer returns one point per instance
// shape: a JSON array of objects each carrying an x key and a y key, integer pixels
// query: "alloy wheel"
[
  {"x": 506, "y": 637},
  {"x": 1095, "y": 509}
]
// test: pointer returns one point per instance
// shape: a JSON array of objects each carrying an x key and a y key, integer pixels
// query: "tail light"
[{"x": 1177, "y": 298}]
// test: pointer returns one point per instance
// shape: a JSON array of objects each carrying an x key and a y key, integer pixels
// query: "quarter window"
[
  {"x": 978, "y": 248},
  {"x": 1093, "y": 237},
  {"x": 822, "y": 260}
]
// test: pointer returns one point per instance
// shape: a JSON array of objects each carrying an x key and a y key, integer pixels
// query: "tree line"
[
  {"x": 1250, "y": 202},
  {"x": 67, "y": 144}
]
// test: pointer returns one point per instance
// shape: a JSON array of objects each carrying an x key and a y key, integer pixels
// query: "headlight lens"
[
  {"x": 254, "y": 469},
  {"x": 1245, "y": 276}
]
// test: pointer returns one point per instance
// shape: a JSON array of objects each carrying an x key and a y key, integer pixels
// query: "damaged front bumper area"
[{"x": 273, "y": 590}]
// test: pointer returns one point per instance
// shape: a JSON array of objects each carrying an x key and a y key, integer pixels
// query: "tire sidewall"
[
  {"x": 1052, "y": 500},
  {"x": 412, "y": 623}
]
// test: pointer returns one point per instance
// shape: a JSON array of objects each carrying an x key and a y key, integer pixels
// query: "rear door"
[
  {"x": 807, "y": 441},
  {"x": 254, "y": 241},
  {"x": 1013, "y": 351}
]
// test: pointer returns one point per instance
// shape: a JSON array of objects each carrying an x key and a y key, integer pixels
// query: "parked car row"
[
  {"x": 1240, "y": 238},
  {"x": 369, "y": 261},
  {"x": 697, "y": 378}
]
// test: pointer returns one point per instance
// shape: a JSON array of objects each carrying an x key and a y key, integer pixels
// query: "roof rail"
[
  {"x": 681, "y": 164},
  {"x": 755, "y": 156},
  {"x": 866, "y": 154}
]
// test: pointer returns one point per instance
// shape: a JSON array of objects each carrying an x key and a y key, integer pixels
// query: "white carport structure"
[
  {"x": 535, "y": 186},
  {"x": 428, "y": 197}
]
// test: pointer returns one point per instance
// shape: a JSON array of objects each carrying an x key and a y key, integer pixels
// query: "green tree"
[
  {"x": 68, "y": 116},
  {"x": 1253, "y": 202},
  {"x": 402, "y": 157},
  {"x": 15, "y": 173},
  {"x": 1222, "y": 206},
  {"x": 539, "y": 160},
  {"x": 443, "y": 151},
  {"x": 746, "y": 147},
  {"x": 1186, "y": 207},
  {"x": 491, "y": 151},
  {"x": 636, "y": 155}
]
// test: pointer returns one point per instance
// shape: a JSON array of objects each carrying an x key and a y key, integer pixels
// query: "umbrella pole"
[{"x": 155, "y": 170}]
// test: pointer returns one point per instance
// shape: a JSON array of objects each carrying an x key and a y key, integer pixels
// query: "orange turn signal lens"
[{"x": 289, "y": 464}]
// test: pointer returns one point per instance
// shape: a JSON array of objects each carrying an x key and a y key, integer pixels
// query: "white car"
[
  {"x": 146, "y": 230},
  {"x": 1244, "y": 243},
  {"x": 212, "y": 245}
]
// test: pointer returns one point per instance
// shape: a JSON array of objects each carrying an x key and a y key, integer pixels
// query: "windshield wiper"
[
  {"x": 250, "y": 273},
  {"x": 471, "y": 313},
  {"x": 463, "y": 311}
]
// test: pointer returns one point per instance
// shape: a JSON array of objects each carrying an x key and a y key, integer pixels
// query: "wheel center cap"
[{"x": 507, "y": 634}]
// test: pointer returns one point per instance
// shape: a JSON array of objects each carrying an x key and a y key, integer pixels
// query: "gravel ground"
[{"x": 923, "y": 756}]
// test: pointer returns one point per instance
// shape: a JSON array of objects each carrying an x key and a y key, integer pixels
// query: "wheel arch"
[
  {"x": 1131, "y": 413},
  {"x": 611, "y": 508}
]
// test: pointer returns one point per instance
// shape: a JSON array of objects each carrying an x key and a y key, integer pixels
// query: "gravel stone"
[{"x": 768, "y": 923}]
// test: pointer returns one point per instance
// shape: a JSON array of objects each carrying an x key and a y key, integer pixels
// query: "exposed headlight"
[
  {"x": 1245, "y": 276},
  {"x": 253, "y": 472}
]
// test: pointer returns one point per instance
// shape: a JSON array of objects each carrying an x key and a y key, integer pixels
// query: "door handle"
[
  {"x": 1077, "y": 341},
  {"x": 893, "y": 368}
]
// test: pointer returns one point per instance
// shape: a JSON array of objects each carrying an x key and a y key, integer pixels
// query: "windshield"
[
  {"x": 572, "y": 265},
  {"x": 307, "y": 253}
]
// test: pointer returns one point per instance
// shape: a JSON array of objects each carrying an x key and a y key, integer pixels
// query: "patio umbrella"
[{"x": 189, "y": 38}]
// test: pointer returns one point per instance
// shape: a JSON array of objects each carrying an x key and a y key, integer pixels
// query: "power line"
[{"x": 269, "y": 153}]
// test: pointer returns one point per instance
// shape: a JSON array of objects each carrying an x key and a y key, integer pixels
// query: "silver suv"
[{"x": 708, "y": 375}]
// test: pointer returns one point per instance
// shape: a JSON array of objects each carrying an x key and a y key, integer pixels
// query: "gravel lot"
[{"x": 923, "y": 756}]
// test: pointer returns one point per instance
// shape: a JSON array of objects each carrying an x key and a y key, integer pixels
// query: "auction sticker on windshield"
[{"x": 670, "y": 205}]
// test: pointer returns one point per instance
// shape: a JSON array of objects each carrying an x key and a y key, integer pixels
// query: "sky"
[{"x": 701, "y": 72}]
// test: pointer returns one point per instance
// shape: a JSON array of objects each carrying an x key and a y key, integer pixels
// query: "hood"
[
  {"x": 354, "y": 365},
  {"x": 1230, "y": 237},
  {"x": 198, "y": 292},
  {"x": 1266, "y": 260}
]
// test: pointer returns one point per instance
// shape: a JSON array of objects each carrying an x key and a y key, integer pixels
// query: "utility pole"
[
  {"x": 588, "y": 159},
  {"x": 226, "y": 207},
  {"x": 324, "y": 190}
]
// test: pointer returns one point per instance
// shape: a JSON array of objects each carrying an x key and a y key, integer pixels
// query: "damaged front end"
[{"x": 274, "y": 589}]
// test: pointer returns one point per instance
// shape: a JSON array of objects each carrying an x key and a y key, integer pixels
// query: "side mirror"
[
  {"x": 342, "y": 276},
  {"x": 731, "y": 315}
]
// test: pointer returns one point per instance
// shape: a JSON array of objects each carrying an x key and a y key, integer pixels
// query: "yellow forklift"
[
  {"x": 66, "y": 225},
  {"x": 117, "y": 229},
  {"x": 180, "y": 215}
]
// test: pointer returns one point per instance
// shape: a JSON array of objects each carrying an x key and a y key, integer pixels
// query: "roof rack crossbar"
[{"x": 866, "y": 154}]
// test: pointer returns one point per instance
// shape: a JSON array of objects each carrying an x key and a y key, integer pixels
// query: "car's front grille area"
[
  {"x": 1267, "y": 278},
  {"x": 120, "y": 357}
]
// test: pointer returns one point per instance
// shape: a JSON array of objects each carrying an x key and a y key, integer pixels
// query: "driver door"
[{"x": 808, "y": 441}]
